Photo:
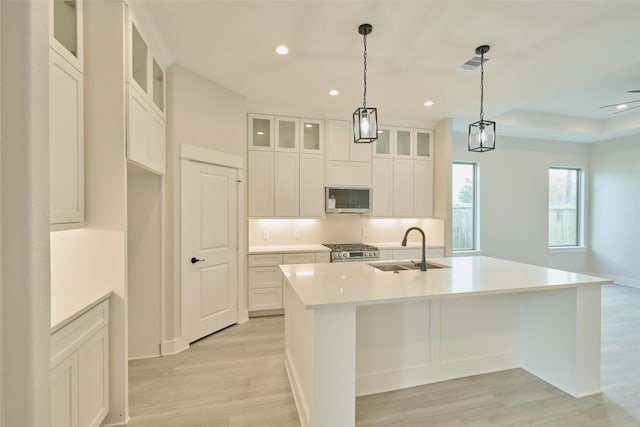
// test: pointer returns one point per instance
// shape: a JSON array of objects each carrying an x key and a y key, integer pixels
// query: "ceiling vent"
[{"x": 473, "y": 63}]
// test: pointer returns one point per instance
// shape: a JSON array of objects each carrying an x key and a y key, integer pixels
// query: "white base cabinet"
[{"x": 80, "y": 370}]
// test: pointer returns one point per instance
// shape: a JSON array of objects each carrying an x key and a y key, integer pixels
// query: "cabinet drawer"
[
  {"x": 301, "y": 258},
  {"x": 266, "y": 259},
  {"x": 265, "y": 277},
  {"x": 407, "y": 253},
  {"x": 67, "y": 339},
  {"x": 322, "y": 257},
  {"x": 265, "y": 299}
]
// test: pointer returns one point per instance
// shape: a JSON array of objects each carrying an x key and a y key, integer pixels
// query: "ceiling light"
[
  {"x": 621, "y": 106},
  {"x": 282, "y": 50},
  {"x": 365, "y": 120},
  {"x": 260, "y": 133},
  {"x": 334, "y": 92},
  {"x": 428, "y": 103},
  {"x": 308, "y": 125},
  {"x": 482, "y": 134}
]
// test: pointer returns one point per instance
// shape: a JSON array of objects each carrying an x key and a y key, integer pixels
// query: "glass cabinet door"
[
  {"x": 261, "y": 132},
  {"x": 383, "y": 146},
  {"x": 423, "y": 144},
  {"x": 403, "y": 142},
  {"x": 158, "y": 86},
  {"x": 65, "y": 24},
  {"x": 312, "y": 135},
  {"x": 286, "y": 134},
  {"x": 138, "y": 58}
]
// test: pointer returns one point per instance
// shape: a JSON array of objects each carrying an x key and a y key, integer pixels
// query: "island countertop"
[{"x": 324, "y": 285}]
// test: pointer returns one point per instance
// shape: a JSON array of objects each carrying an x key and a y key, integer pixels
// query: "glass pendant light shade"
[
  {"x": 482, "y": 136},
  {"x": 365, "y": 125}
]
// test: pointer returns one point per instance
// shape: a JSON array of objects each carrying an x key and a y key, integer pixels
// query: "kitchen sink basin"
[{"x": 403, "y": 266}]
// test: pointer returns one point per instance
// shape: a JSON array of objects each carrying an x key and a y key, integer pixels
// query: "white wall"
[
  {"x": 342, "y": 229},
  {"x": 513, "y": 197},
  {"x": 615, "y": 209},
  {"x": 199, "y": 112}
]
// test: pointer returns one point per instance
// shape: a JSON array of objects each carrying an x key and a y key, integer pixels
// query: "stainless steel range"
[{"x": 343, "y": 252}]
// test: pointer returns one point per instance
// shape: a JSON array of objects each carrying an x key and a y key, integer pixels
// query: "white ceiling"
[{"x": 554, "y": 63}]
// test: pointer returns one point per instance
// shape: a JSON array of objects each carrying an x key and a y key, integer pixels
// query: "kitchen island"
[{"x": 353, "y": 330}]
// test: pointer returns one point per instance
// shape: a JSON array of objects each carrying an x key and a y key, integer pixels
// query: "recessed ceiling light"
[
  {"x": 428, "y": 103},
  {"x": 282, "y": 49},
  {"x": 621, "y": 106},
  {"x": 334, "y": 92}
]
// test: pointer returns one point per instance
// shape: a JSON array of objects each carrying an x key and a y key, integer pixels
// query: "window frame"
[
  {"x": 475, "y": 211},
  {"x": 579, "y": 243}
]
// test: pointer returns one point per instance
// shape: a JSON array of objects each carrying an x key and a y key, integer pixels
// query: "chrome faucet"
[{"x": 423, "y": 266}]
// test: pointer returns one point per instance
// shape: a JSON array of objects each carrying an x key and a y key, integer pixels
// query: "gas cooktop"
[{"x": 341, "y": 252}]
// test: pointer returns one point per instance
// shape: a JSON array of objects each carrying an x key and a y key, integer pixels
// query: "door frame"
[{"x": 189, "y": 153}]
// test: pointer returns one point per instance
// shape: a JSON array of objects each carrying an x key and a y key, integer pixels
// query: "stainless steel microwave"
[{"x": 347, "y": 200}]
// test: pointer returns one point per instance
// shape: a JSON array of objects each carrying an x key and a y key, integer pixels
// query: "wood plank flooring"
[{"x": 236, "y": 378}]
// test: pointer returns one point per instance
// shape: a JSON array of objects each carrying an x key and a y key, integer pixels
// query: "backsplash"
[{"x": 341, "y": 229}]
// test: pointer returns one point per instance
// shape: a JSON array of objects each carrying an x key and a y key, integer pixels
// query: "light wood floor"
[{"x": 236, "y": 378}]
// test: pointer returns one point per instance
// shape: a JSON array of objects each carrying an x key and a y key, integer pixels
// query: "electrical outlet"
[
  {"x": 365, "y": 232},
  {"x": 296, "y": 234},
  {"x": 266, "y": 235}
]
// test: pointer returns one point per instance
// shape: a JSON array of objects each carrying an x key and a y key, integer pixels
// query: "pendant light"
[
  {"x": 482, "y": 134},
  {"x": 365, "y": 120}
]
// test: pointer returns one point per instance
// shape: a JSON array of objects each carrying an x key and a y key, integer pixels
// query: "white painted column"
[
  {"x": 334, "y": 367},
  {"x": 560, "y": 338}
]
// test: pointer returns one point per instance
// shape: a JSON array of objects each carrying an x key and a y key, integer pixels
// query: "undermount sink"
[{"x": 397, "y": 267}]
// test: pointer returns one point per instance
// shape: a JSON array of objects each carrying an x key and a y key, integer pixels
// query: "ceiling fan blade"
[
  {"x": 620, "y": 103},
  {"x": 626, "y": 109}
]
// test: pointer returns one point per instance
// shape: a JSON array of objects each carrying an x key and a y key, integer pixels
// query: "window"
[
  {"x": 464, "y": 206},
  {"x": 564, "y": 207}
]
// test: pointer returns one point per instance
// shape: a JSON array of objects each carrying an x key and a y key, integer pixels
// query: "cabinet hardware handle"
[{"x": 194, "y": 260}]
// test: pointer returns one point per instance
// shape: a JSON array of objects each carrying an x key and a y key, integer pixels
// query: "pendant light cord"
[
  {"x": 481, "y": 85},
  {"x": 364, "y": 98}
]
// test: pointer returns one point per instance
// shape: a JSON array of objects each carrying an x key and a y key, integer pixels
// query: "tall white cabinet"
[
  {"x": 285, "y": 166},
  {"x": 66, "y": 113}
]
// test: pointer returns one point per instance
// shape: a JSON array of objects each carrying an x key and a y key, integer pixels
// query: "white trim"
[
  {"x": 205, "y": 155},
  {"x": 174, "y": 346},
  {"x": 243, "y": 316},
  {"x": 566, "y": 249},
  {"x": 120, "y": 423}
]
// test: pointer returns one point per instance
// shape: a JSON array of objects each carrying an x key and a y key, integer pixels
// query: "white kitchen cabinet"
[
  {"x": 355, "y": 174},
  {"x": 404, "y": 145},
  {"x": 261, "y": 132},
  {"x": 261, "y": 177},
  {"x": 402, "y": 187},
  {"x": 384, "y": 145},
  {"x": 312, "y": 136},
  {"x": 66, "y": 141},
  {"x": 66, "y": 31},
  {"x": 80, "y": 370},
  {"x": 423, "y": 149},
  {"x": 157, "y": 144},
  {"x": 423, "y": 188},
  {"x": 287, "y": 135},
  {"x": 287, "y": 184},
  {"x": 311, "y": 185},
  {"x": 416, "y": 253},
  {"x": 386, "y": 254},
  {"x": 348, "y": 163},
  {"x": 382, "y": 182}
]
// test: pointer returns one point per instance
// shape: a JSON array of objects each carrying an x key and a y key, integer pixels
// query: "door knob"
[{"x": 194, "y": 260}]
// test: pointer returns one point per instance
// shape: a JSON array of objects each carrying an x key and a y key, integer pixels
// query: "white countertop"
[
  {"x": 319, "y": 285},
  {"x": 66, "y": 306},
  {"x": 287, "y": 248}
]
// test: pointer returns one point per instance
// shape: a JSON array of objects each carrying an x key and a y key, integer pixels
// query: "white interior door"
[{"x": 209, "y": 249}]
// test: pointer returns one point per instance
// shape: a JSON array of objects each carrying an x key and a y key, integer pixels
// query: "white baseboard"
[
  {"x": 174, "y": 346},
  {"x": 619, "y": 280},
  {"x": 243, "y": 316},
  {"x": 119, "y": 423},
  {"x": 152, "y": 356}
]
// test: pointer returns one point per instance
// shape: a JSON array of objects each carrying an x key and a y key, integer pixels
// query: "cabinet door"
[
  {"x": 402, "y": 187},
  {"x": 360, "y": 152},
  {"x": 261, "y": 132},
  {"x": 311, "y": 136},
  {"x": 66, "y": 141},
  {"x": 158, "y": 87},
  {"x": 338, "y": 134},
  {"x": 260, "y": 177},
  {"x": 66, "y": 30},
  {"x": 287, "y": 184},
  {"x": 157, "y": 144},
  {"x": 349, "y": 173},
  {"x": 403, "y": 143},
  {"x": 383, "y": 146},
  {"x": 423, "y": 189},
  {"x": 138, "y": 60},
  {"x": 287, "y": 134},
  {"x": 382, "y": 180},
  {"x": 93, "y": 379},
  {"x": 423, "y": 149},
  {"x": 265, "y": 299},
  {"x": 265, "y": 277},
  {"x": 138, "y": 128},
  {"x": 311, "y": 185},
  {"x": 64, "y": 393}
]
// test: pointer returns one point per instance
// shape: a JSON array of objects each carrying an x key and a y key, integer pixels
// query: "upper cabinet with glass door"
[
  {"x": 403, "y": 143},
  {"x": 311, "y": 136},
  {"x": 65, "y": 30},
  {"x": 424, "y": 144},
  {"x": 383, "y": 146},
  {"x": 286, "y": 134},
  {"x": 261, "y": 132}
]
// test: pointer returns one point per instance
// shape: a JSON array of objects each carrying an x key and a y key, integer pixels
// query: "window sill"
[
  {"x": 567, "y": 249},
  {"x": 466, "y": 253}
]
